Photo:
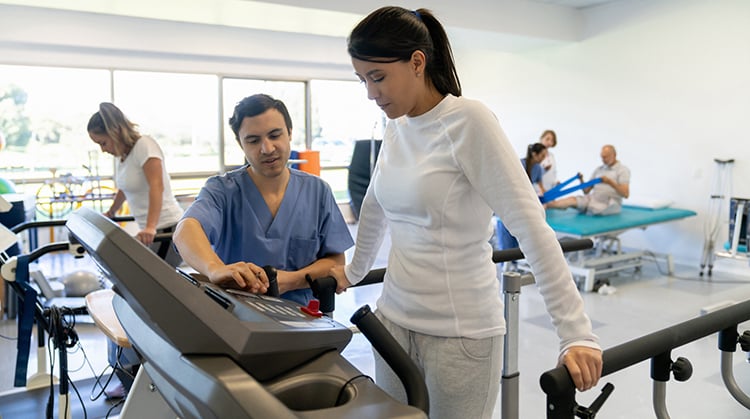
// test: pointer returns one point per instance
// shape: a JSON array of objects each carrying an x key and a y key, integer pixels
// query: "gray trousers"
[{"x": 462, "y": 374}]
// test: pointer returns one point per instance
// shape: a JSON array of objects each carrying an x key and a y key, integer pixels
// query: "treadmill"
[{"x": 211, "y": 352}]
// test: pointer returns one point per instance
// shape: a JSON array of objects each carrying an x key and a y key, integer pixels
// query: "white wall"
[{"x": 666, "y": 82}]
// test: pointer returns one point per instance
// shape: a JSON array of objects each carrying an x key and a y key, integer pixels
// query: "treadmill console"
[{"x": 202, "y": 318}]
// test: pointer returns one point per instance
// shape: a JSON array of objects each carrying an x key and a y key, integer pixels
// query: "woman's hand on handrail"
[
  {"x": 342, "y": 283},
  {"x": 584, "y": 365}
]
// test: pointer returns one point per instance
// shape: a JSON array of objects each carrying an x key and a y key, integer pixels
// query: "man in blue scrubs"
[{"x": 264, "y": 213}]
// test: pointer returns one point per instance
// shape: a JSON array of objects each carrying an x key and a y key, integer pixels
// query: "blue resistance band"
[
  {"x": 558, "y": 190},
  {"x": 560, "y": 186},
  {"x": 25, "y": 321}
]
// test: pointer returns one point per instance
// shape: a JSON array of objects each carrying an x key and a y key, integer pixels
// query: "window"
[
  {"x": 178, "y": 110},
  {"x": 44, "y": 112},
  {"x": 43, "y": 116},
  {"x": 341, "y": 114}
]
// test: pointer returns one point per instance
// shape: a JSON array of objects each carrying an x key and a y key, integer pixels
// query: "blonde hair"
[
  {"x": 110, "y": 121},
  {"x": 552, "y": 134}
]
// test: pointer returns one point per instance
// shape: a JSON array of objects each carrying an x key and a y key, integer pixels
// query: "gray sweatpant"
[{"x": 462, "y": 374}]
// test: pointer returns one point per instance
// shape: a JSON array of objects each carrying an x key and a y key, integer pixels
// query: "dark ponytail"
[
  {"x": 391, "y": 34},
  {"x": 532, "y": 149}
]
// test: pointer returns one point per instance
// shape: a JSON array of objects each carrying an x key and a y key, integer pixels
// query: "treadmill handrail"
[
  {"x": 395, "y": 356},
  {"x": 557, "y": 383},
  {"x": 58, "y": 223}
]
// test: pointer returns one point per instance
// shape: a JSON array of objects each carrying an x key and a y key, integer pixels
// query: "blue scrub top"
[{"x": 240, "y": 227}]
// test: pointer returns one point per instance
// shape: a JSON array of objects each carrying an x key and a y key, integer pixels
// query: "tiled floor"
[{"x": 642, "y": 303}]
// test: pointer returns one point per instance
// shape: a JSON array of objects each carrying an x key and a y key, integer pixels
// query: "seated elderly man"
[{"x": 603, "y": 198}]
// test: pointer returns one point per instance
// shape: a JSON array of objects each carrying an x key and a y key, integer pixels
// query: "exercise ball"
[
  {"x": 7, "y": 186},
  {"x": 79, "y": 283}
]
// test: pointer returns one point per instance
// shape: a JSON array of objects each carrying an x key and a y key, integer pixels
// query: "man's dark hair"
[{"x": 253, "y": 106}]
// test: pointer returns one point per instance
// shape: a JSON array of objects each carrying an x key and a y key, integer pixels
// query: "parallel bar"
[
  {"x": 557, "y": 381},
  {"x": 572, "y": 245},
  {"x": 376, "y": 275}
]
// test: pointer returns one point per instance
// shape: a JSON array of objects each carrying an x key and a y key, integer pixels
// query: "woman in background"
[
  {"x": 549, "y": 179},
  {"x": 535, "y": 154},
  {"x": 141, "y": 176}
]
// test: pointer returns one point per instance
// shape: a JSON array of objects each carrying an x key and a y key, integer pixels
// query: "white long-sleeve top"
[{"x": 438, "y": 179}]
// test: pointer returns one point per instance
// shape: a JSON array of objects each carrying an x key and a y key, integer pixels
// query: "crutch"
[{"x": 721, "y": 188}]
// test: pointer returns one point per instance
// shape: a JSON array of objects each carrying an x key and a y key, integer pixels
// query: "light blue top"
[
  {"x": 537, "y": 171},
  {"x": 240, "y": 227},
  {"x": 504, "y": 239}
]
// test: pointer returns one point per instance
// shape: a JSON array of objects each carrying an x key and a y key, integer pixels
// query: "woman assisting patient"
[{"x": 444, "y": 167}]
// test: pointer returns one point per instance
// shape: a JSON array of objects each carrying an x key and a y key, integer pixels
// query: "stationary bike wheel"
[
  {"x": 53, "y": 200},
  {"x": 101, "y": 197}
]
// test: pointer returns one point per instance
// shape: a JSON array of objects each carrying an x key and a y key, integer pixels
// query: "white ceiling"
[
  {"x": 575, "y": 4},
  {"x": 519, "y": 24}
]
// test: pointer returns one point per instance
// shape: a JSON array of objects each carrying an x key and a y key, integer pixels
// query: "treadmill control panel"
[{"x": 286, "y": 312}]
